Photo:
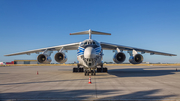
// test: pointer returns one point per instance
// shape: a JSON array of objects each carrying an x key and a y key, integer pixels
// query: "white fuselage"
[{"x": 89, "y": 54}]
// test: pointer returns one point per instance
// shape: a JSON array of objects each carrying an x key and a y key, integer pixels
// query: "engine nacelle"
[
  {"x": 60, "y": 57},
  {"x": 137, "y": 59},
  {"x": 44, "y": 59},
  {"x": 119, "y": 57}
]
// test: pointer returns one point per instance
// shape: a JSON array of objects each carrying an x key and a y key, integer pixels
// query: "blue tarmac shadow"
[
  {"x": 141, "y": 72},
  {"x": 81, "y": 95}
]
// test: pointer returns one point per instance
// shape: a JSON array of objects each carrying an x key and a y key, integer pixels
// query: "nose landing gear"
[{"x": 87, "y": 72}]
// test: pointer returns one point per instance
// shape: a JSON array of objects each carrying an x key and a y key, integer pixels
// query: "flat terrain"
[{"x": 120, "y": 83}]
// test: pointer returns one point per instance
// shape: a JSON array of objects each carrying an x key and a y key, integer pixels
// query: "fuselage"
[{"x": 89, "y": 54}]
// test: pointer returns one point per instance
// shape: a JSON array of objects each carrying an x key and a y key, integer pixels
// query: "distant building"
[{"x": 25, "y": 62}]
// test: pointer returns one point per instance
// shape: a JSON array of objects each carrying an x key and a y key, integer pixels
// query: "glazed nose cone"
[{"x": 89, "y": 52}]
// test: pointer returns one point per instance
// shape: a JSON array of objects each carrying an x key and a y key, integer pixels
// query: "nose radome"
[{"x": 89, "y": 52}]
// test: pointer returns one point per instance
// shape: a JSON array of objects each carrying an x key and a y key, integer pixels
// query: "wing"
[
  {"x": 108, "y": 46},
  {"x": 73, "y": 46}
]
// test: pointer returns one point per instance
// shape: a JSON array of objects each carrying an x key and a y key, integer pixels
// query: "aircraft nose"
[{"x": 89, "y": 52}]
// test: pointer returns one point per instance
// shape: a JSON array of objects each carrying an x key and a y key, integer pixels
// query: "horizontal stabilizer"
[{"x": 90, "y": 32}]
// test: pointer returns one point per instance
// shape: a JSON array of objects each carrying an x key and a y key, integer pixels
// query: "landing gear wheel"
[
  {"x": 94, "y": 72},
  {"x": 75, "y": 70},
  {"x": 104, "y": 69},
  {"x": 98, "y": 69},
  {"x": 86, "y": 73},
  {"x": 81, "y": 69}
]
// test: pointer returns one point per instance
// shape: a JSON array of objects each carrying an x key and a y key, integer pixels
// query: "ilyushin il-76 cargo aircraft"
[{"x": 90, "y": 53}]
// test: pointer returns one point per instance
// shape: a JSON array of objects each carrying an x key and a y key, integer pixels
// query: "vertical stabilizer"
[{"x": 90, "y": 33}]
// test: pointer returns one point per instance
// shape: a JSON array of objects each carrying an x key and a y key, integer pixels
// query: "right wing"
[
  {"x": 73, "y": 46},
  {"x": 108, "y": 46}
]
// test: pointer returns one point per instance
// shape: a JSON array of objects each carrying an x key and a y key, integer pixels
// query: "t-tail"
[{"x": 90, "y": 32}]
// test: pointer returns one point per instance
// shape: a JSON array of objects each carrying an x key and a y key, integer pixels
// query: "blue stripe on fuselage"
[{"x": 80, "y": 51}]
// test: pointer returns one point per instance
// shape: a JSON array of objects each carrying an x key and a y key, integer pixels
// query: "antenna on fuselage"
[{"x": 90, "y": 32}]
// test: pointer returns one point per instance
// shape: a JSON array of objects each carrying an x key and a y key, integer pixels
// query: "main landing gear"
[
  {"x": 78, "y": 69},
  {"x": 102, "y": 69}
]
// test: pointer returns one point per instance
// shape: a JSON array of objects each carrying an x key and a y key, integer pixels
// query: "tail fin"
[{"x": 90, "y": 32}]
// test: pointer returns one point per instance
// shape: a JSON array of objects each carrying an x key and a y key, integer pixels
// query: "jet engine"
[
  {"x": 60, "y": 57},
  {"x": 137, "y": 59},
  {"x": 119, "y": 57},
  {"x": 44, "y": 59}
]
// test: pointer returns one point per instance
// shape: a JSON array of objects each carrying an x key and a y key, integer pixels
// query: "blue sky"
[{"x": 146, "y": 24}]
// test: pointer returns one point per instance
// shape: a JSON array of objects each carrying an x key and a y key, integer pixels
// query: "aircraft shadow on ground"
[
  {"x": 82, "y": 95},
  {"x": 140, "y": 72}
]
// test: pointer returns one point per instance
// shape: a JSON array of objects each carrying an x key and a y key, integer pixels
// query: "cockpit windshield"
[{"x": 90, "y": 43}]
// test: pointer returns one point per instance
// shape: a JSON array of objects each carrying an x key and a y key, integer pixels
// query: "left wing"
[
  {"x": 108, "y": 46},
  {"x": 73, "y": 46}
]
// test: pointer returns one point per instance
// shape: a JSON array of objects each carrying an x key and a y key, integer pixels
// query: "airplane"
[
  {"x": 90, "y": 53},
  {"x": 2, "y": 63}
]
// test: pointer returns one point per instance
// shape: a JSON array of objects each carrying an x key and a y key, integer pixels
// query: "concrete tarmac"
[{"x": 120, "y": 83}]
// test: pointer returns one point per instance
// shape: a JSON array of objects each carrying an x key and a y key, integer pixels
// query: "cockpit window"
[
  {"x": 85, "y": 43},
  {"x": 89, "y": 42}
]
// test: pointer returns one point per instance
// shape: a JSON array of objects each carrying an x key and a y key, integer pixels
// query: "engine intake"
[
  {"x": 60, "y": 57},
  {"x": 44, "y": 59},
  {"x": 137, "y": 59},
  {"x": 119, "y": 57}
]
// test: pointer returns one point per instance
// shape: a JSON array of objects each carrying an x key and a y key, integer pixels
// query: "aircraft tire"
[
  {"x": 81, "y": 69},
  {"x": 85, "y": 72},
  {"x": 94, "y": 72},
  {"x": 98, "y": 69},
  {"x": 104, "y": 69},
  {"x": 73, "y": 70}
]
